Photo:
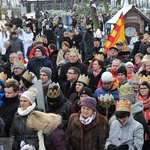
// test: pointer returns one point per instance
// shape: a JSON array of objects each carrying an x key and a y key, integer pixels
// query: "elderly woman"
[
  {"x": 87, "y": 129},
  {"x": 50, "y": 133},
  {"x": 19, "y": 131}
]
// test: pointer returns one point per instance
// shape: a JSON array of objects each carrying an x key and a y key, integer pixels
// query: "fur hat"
[
  {"x": 86, "y": 90},
  {"x": 129, "y": 63},
  {"x": 41, "y": 48},
  {"x": 89, "y": 102},
  {"x": 122, "y": 69},
  {"x": 30, "y": 94},
  {"x": 107, "y": 76},
  {"x": 47, "y": 71}
]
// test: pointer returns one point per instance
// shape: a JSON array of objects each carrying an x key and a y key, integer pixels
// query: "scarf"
[
  {"x": 145, "y": 102},
  {"x": 136, "y": 68},
  {"x": 41, "y": 140},
  {"x": 25, "y": 112},
  {"x": 96, "y": 73},
  {"x": 88, "y": 120},
  {"x": 45, "y": 85}
]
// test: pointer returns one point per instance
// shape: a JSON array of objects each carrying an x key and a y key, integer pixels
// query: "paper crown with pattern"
[
  {"x": 3, "y": 76},
  {"x": 99, "y": 57},
  {"x": 38, "y": 39},
  {"x": 28, "y": 76},
  {"x": 84, "y": 79},
  {"x": 53, "y": 90},
  {"x": 125, "y": 49},
  {"x": 123, "y": 105},
  {"x": 126, "y": 90},
  {"x": 135, "y": 76},
  {"x": 103, "y": 51},
  {"x": 106, "y": 100},
  {"x": 89, "y": 26},
  {"x": 18, "y": 64},
  {"x": 146, "y": 58},
  {"x": 144, "y": 78},
  {"x": 74, "y": 50}
]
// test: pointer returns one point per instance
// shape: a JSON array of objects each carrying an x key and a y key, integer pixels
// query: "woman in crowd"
[
  {"x": 144, "y": 96},
  {"x": 87, "y": 129},
  {"x": 19, "y": 131},
  {"x": 95, "y": 73},
  {"x": 138, "y": 62},
  {"x": 50, "y": 133}
]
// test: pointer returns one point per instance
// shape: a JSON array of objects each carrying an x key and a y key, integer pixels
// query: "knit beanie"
[
  {"x": 47, "y": 71},
  {"x": 107, "y": 77},
  {"x": 129, "y": 63},
  {"x": 30, "y": 94},
  {"x": 86, "y": 90},
  {"x": 89, "y": 102},
  {"x": 122, "y": 69},
  {"x": 41, "y": 48}
]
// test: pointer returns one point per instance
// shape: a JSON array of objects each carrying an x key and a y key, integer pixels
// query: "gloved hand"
[
  {"x": 123, "y": 147},
  {"x": 112, "y": 147}
]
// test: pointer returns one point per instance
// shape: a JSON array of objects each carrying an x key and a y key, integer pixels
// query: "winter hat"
[
  {"x": 47, "y": 71},
  {"x": 107, "y": 76},
  {"x": 30, "y": 94},
  {"x": 89, "y": 102},
  {"x": 19, "y": 53},
  {"x": 129, "y": 63},
  {"x": 86, "y": 90},
  {"x": 122, "y": 69},
  {"x": 41, "y": 48}
]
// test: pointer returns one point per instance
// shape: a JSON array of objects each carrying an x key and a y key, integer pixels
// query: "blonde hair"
[{"x": 40, "y": 120}]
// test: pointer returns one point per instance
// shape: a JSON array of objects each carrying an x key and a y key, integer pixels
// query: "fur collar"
[{"x": 54, "y": 121}]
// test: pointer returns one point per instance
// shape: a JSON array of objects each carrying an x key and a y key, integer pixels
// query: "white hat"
[
  {"x": 30, "y": 94},
  {"x": 107, "y": 76},
  {"x": 129, "y": 63}
]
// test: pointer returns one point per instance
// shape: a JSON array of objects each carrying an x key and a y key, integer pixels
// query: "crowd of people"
[{"x": 93, "y": 99}]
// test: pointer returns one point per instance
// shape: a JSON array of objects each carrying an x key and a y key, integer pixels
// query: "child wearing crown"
[{"x": 125, "y": 132}]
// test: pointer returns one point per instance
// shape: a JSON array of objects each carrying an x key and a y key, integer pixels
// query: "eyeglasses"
[
  {"x": 143, "y": 88},
  {"x": 70, "y": 73}
]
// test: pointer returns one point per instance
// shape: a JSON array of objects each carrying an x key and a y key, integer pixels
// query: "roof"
[{"x": 125, "y": 10}]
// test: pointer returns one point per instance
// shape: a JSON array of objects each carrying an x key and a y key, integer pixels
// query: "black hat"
[
  {"x": 119, "y": 44},
  {"x": 113, "y": 48},
  {"x": 122, "y": 69},
  {"x": 41, "y": 48},
  {"x": 86, "y": 90},
  {"x": 97, "y": 39}
]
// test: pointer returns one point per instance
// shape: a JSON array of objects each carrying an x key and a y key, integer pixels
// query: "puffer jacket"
[{"x": 20, "y": 132}]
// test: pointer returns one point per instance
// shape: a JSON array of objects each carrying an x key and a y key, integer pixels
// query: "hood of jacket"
[
  {"x": 54, "y": 121},
  {"x": 136, "y": 107}
]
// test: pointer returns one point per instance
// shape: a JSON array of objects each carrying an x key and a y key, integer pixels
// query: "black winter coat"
[
  {"x": 7, "y": 112},
  {"x": 63, "y": 78},
  {"x": 20, "y": 132}
]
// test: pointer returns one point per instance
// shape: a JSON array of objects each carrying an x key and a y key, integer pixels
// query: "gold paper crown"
[
  {"x": 53, "y": 93},
  {"x": 125, "y": 90},
  {"x": 28, "y": 76},
  {"x": 144, "y": 78},
  {"x": 125, "y": 48},
  {"x": 3, "y": 76},
  {"x": 99, "y": 57},
  {"x": 84, "y": 79},
  {"x": 38, "y": 39},
  {"x": 145, "y": 36},
  {"x": 106, "y": 100},
  {"x": 146, "y": 58},
  {"x": 135, "y": 76},
  {"x": 74, "y": 50},
  {"x": 123, "y": 105},
  {"x": 89, "y": 26},
  {"x": 18, "y": 64},
  {"x": 102, "y": 50}
]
